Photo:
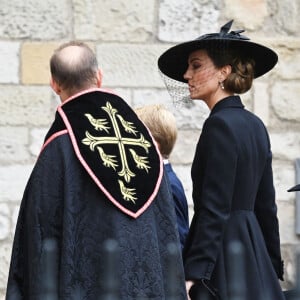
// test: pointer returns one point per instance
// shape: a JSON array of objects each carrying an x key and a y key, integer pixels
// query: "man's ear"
[
  {"x": 55, "y": 86},
  {"x": 99, "y": 78}
]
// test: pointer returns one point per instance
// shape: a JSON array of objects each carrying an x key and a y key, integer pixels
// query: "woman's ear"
[{"x": 225, "y": 71}]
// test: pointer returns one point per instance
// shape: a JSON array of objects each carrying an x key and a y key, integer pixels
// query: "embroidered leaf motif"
[
  {"x": 109, "y": 109},
  {"x": 86, "y": 141},
  {"x": 141, "y": 161},
  {"x": 90, "y": 141},
  {"x": 128, "y": 193},
  {"x": 99, "y": 124},
  {"x": 143, "y": 143},
  {"x": 126, "y": 173},
  {"x": 128, "y": 126},
  {"x": 108, "y": 160}
]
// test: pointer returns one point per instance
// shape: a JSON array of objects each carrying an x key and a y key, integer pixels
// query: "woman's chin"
[{"x": 193, "y": 96}]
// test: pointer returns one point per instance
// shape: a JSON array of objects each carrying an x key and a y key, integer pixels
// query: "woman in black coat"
[{"x": 233, "y": 192}]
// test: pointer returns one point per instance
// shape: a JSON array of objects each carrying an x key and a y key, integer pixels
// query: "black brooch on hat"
[
  {"x": 294, "y": 188},
  {"x": 224, "y": 33}
]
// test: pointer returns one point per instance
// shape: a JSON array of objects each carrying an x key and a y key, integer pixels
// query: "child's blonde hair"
[{"x": 162, "y": 125}]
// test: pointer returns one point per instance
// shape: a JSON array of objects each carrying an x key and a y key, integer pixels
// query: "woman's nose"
[{"x": 187, "y": 75}]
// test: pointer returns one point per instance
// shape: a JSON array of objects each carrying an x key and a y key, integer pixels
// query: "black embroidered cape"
[
  {"x": 99, "y": 176},
  {"x": 113, "y": 146}
]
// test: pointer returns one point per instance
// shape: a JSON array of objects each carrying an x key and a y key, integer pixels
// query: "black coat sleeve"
[{"x": 266, "y": 213}]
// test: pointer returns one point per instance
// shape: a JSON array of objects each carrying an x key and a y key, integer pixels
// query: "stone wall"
[{"x": 128, "y": 36}]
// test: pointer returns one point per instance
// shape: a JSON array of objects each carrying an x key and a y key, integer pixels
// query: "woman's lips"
[{"x": 191, "y": 88}]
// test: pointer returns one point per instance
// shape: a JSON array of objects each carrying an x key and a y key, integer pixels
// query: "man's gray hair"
[{"x": 74, "y": 70}]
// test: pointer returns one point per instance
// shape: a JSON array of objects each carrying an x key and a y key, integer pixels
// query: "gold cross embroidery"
[{"x": 118, "y": 139}]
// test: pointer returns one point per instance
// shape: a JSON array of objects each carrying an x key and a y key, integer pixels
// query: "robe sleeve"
[{"x": 39, "y": 220}]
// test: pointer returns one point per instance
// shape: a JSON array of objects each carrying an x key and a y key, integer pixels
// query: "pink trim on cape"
[
  {"x": 86, "y": 92},
  {"x": 52, "y": 137}
]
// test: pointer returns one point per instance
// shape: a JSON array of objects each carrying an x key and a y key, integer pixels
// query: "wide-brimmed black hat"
[{"x": 174, "y": 62}]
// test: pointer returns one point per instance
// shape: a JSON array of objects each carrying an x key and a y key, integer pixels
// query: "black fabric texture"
[{"x": 57, "y": 125}]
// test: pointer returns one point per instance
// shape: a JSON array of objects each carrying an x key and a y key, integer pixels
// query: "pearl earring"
[{"x": 221, "y": 85}]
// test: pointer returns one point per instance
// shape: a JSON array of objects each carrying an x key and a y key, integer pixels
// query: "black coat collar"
[{"x": 231, "y": 101}]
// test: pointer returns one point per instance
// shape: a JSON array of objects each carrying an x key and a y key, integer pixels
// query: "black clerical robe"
[{"x": 99, "y": 176}]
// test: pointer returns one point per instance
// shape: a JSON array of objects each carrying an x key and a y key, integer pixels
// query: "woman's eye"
[{"x": 196, "y": 66}]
